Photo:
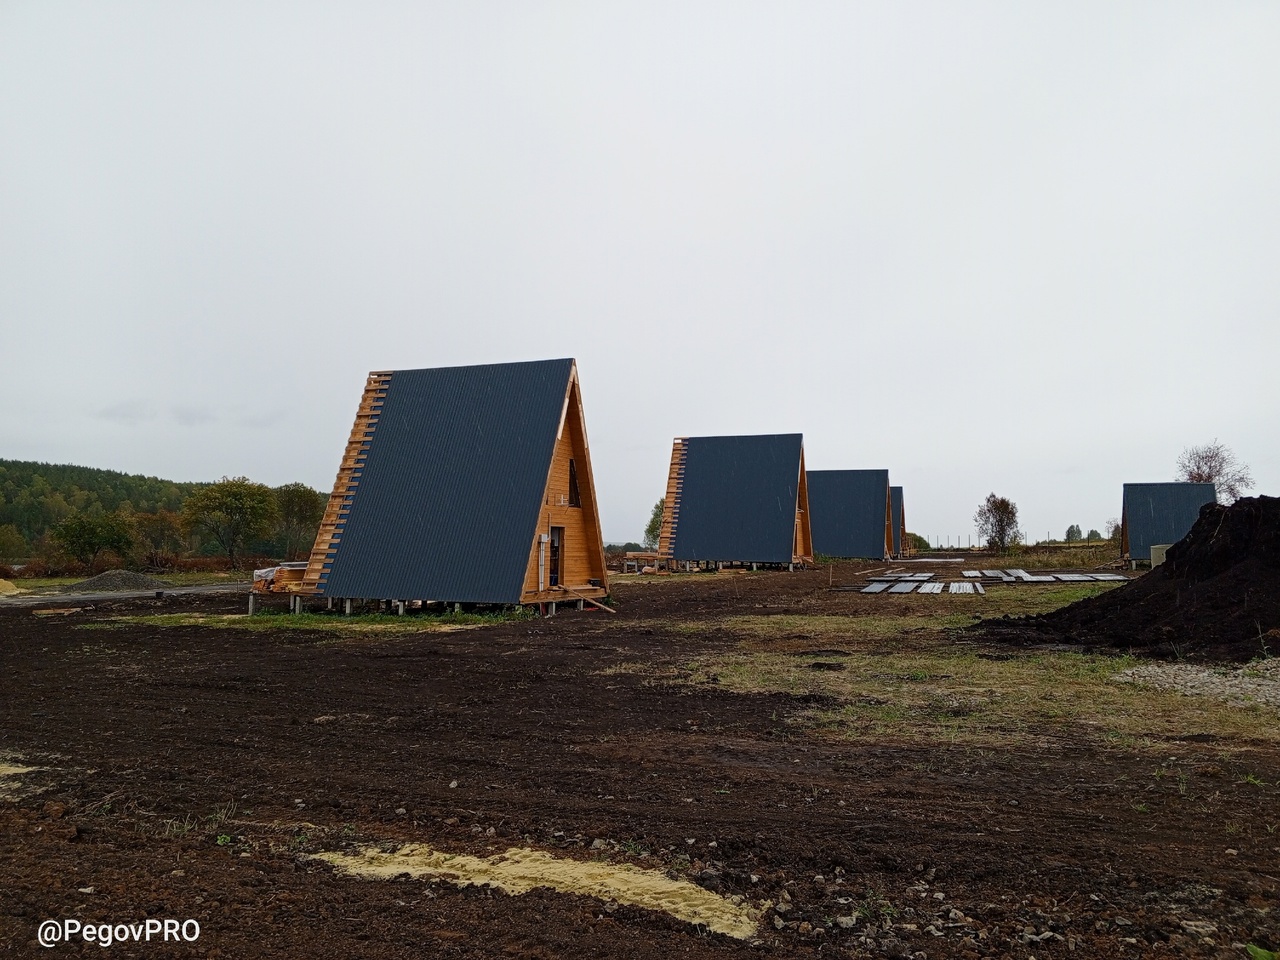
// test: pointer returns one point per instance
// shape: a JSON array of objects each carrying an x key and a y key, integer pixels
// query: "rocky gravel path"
[{"x": 1257, "y": 682}]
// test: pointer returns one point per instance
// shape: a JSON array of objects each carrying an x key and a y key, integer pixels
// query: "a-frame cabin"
[
  {"x": 852, "y": 513},
  {"x": 1159, "y": 513},
  {"x": 737, "y": 500},
  {"x": 464, "y": 485}
]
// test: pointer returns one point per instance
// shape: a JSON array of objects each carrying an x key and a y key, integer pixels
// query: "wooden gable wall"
[
  {"x": 804, "y": 535},
  {"x": 582, "y": 556}
]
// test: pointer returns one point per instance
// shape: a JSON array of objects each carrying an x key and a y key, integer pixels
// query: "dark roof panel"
[
  {"x": 738, "y": 499},
  {"x": 847, "y": 512},
  {"x": 895, "y": 515},
  {"x": 449, "y": 495},
  {"x": 1157, "y": 513}
]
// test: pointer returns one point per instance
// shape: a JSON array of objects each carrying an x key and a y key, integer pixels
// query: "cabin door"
[{"x": 557, "y": 548}]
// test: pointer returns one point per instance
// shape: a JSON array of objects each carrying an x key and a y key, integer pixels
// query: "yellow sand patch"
[
  {"x": 520, "y": 870},
  {"x": 8, "y": 774}
]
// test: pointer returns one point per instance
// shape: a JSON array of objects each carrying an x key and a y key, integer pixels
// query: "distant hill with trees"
[
  {"x": 36, "y": 497},
  {"x": 62, "y": 514}
]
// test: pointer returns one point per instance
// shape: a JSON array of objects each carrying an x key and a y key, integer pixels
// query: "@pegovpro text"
[{"x": 54, "y": 932}]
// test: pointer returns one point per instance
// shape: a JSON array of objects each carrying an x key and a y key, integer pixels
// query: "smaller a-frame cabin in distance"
[
  {"x": 741, "y": 500},
  {"x": 851, "y": 511},
  {"x": 1159, "y": 513},
  {"x": 898, "y": 518},
  {"x": 464, "y": 485}
]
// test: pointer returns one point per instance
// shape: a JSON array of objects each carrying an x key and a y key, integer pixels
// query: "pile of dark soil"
[
  {"x": 1216, "y": 597},
  {"x": 113, "y": 580}
]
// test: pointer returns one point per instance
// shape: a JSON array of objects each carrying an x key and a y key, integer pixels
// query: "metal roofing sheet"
[
  {"x": 738, "y": 499},
  {"x": 1162, "y": 513},
  {"x": 450, "y": 492},
  {"x": 896, "y": 519},
  {"x": 847, "y": 512}
]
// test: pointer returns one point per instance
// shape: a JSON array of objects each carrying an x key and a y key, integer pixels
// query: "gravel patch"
[
  {"x": 114, "y": 580},
  {"x": 1255, "y": 683}
]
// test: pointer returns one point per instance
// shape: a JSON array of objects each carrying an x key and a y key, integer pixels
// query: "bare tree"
[
  {"x": 997, "y": 522},
  {"x": 1215, "y": 463}
]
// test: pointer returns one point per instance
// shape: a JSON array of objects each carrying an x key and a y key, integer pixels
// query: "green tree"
[
  {"x": 1073, "y": 533},
  {"x": 13, "y": 545},
  {"x": 653, "y": 529},
  {"x": 997, "y": 522},
  {"x": 917, "y": 543},
  {"x": 159, "y": 536},
  {"x": 233, "y": 511},
  {"x": 1093, "y": 534},
  {"x": 301, "y": 509},
  {"x": 84, "y": 536}
]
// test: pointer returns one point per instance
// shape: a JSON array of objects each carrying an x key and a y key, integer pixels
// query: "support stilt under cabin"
[{"x": 464, "y": 485}]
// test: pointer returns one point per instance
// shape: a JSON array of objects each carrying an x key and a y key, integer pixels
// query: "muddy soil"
[
  {"x": 191, "y": 772},
  {"x": 1216, "y": 598}
]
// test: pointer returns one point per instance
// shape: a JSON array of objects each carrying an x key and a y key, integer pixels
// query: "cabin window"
[{"x": 575, "y": 498}]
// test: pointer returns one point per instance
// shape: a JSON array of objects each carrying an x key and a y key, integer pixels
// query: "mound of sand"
[
  {"x": 7, "y": 588},
  {"x": 114, "y": 580},
  {"x": 1216, "y": 597}
]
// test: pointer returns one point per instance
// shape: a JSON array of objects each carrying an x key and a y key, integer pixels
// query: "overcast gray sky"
[{"x": 1016, "y": 247}]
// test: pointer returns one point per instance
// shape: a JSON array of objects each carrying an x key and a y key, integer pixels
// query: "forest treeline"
[
  {"x": 62, "y": 515},
  {"x": 36, "y": 497}
]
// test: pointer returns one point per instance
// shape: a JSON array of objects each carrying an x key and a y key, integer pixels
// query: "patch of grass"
[
  {"x": 46, "y": 583},
  {"x": 1084, "y": 556},
  {"x": 178, "y": 826},
  {"x": 335, "y": 623},
  {"x": 894, "y": 617},
  {"x": 822, "y": 627},
  {"x": 969, "y": 697}
]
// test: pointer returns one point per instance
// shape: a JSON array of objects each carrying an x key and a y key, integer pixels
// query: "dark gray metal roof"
[
  {"x": 1162, "y": 513},
  {"x": 452, "y": 486},
  {"x": 895, "y": 515},
  {"x": 738, "y": 501},
  {"x": 847, "y": 512}
]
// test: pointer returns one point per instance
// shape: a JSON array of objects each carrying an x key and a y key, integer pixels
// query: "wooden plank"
[
  {"x": 353, "y": 457},
  {"x": 671, "y": 499}
]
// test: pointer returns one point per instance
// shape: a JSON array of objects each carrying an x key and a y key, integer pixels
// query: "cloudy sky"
[{"x": 1023, "y": 248}]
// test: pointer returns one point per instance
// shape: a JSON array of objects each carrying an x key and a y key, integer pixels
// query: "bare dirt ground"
[{"x": 860, "y": 788}]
